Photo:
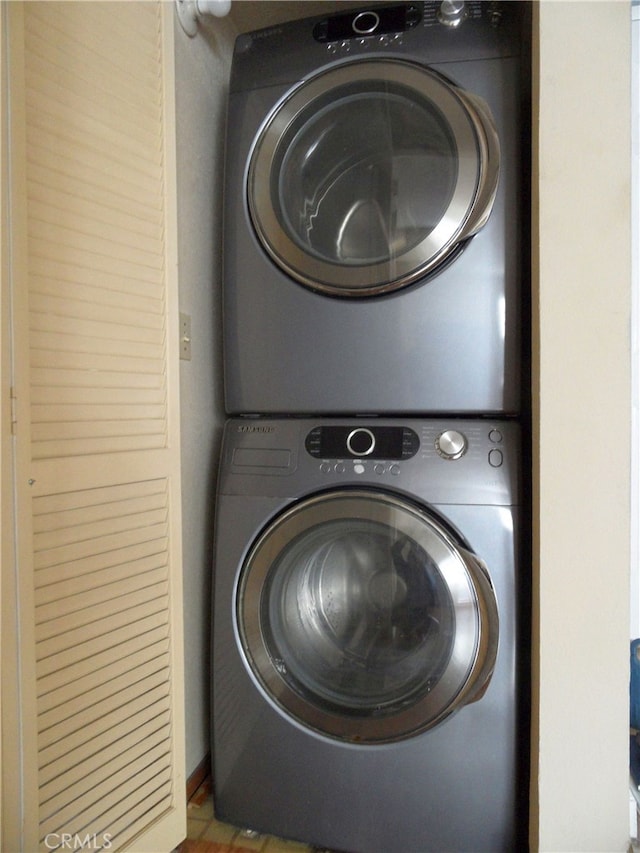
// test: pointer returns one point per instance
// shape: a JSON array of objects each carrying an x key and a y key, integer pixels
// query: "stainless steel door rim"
[
  {"x": 336, "y": 104},
  {"x": 364, "y": 619}
]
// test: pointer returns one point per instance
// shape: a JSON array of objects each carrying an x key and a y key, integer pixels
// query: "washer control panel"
[
  {"x": 351, "y": 441},
  {"x": 439, "y": 460}
]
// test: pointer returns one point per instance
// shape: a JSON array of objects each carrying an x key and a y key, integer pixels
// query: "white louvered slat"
[
  {"x": 93, "y": 446},
  {"x": 80, "y": 346},
  {"x": 72, "y": 396},
  {"x": 82, "y": 309},
  {"x": 112, "y": 640},
  {"x": 143, "y": 730},
  {"x": 99, "y": 413},
  {"x": 59, "y": 174},
  {"x": 83, "y": 724},
  {"x": 134, "y": 811},
  {"x": 63, "y": 669},
  {"x": 94, "y": 536},
  {"x": 140, "y": 813},
  {"x": 98, "y": 496},
  {"x": 66, "y": 323},
  {"x": 95, "y": 166},
  {"x": 78, "y": 378},
  {"x": 61, "y": 719},
  {"x": 62, "y": 86},
  {"x": 152, "y": 764},
  {"x": 95, "y": 362},
  {"x": 90, "y": 215},
  {"x": 65, "y": 512},
  {"x": 103, "y": 501},
  {"x": 61, "y": 694},
  {"x": 71, "y": 604},
  {"x": 54, "y": 265},
  {"x": 80, "y": 821},
  {"x": 63, "y": 578},
  {"x": 110, "y": 710},
  {"x": 106, "y": 243},
  {"x": 50, "y": 413},
  {"x": 131, "y": 52},
  {"x": 147, "y": 599},
  {"x": 82, "y": 638}
]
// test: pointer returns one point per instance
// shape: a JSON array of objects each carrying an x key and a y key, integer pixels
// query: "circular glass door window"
[
  {"x": 364, "y": 619},
  {"x": 367, "y": 177}
]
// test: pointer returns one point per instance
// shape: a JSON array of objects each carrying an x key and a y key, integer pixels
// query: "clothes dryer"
[
  {"x": 372, "y": 253},
  {"x": 365, "y": 655}
]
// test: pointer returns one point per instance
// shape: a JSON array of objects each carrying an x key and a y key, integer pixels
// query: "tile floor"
[{"x": 202, "y": 825}]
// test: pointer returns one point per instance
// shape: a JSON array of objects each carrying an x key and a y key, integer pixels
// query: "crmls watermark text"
[{"x": 71, "y": 841}]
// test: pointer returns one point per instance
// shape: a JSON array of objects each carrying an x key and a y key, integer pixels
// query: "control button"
[
  {"x": 495, "y": 436},
  {"x": 339, "y": 468},
  {"x": 412, "y": 15},
  {"x": 378, "y": 468},
  {"x": 361, "y": 442},
  {"x": 325, "y": 468},
  {"x": 495, "y": 14},
  {"x": 359, "y": 468},
  {"x": 451, "y": 444},
  {"x": 395, "y": 470},
  {"x": 452, "y": 12},
  {"x": 495, "y": 458}
]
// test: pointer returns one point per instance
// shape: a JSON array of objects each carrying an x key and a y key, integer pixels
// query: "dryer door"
[
  {"x": 361, "y": 617},
  {"x": 371, "y": 175}
]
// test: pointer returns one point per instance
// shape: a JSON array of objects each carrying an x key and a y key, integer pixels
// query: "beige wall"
[
  {"x": 202, "y": 72},
  {"x": 581, "y": 423}
]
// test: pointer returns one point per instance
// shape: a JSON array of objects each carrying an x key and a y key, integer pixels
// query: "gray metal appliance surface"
[
  {"x": 372, "y": 213},
  {"x": 365, "y": 666}
]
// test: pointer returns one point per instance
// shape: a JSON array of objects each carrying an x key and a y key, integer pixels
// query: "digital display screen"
[{"x": 353, "y": 442}]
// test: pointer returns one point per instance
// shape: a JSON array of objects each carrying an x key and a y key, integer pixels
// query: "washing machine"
[
  {"x": 366, "y": 672},
  {"x": 372, "y": 229}
]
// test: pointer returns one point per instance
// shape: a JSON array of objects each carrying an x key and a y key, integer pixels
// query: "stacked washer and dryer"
[{"x": 366, "y": 662}]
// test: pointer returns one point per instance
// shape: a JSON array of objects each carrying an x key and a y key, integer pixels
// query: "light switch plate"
[{"x": 185, "y": 337}]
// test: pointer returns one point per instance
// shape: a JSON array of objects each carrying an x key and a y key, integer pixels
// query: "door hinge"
[{"x": 14, "y": 407}]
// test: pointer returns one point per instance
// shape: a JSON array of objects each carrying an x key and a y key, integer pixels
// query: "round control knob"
[
  {"x": 361, "y": 442},
  {"x": 451, "y": 444},
  {"x": 452, "y": 12},
  {"x": 365, "y": 23}
]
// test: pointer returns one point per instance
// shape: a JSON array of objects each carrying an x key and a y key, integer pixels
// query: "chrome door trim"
[
  {"x": 470, "y": 121},
  {"x": 475, "y": 643}
]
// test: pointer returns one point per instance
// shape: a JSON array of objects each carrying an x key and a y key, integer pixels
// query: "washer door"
[
  {"x": 371, "y": 175},
  {"x": 362, "y": 618}
]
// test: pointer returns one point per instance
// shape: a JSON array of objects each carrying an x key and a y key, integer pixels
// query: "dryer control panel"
[
  {"x": 368, "y": 22},
  {"x": 356, "y": 442},
  {"x": 394, "y": 20}
]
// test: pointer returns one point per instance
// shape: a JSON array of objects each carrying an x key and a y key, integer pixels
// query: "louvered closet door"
[{"x": 97, "y": 586}]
